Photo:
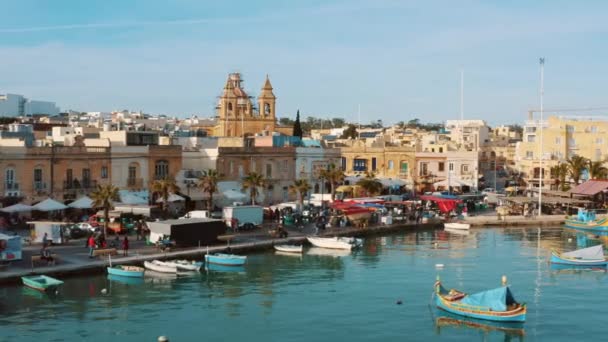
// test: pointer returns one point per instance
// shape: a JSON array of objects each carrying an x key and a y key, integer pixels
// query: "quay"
[{"x": 73, "y": 257}]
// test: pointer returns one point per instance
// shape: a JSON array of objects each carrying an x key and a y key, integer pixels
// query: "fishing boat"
[
  {"x": 159, "y": 266},
  {"x": 456, "y": 225},
  {"x": 288, "y": 248},
  {"x": 492, "y": 305},
  {"x": 126, "y": 271},
  {"x": 333, "y": 243},
  {"x": 586, "y": 220},
  {"x": 42, "y": 283},
  {"x": 184, "y": 265},
  {"x": 591, "y": 256},
  {"x": 226, "y": 259}
]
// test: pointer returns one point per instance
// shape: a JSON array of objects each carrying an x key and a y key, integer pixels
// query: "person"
[
  {"x": 139, "y": 229},
  {"x": 91, "y": 245},
  {"x": 125, "y": 246},
  {"x": 277, "y": 214},
  {"x": 45, "y": 240},
  {"x": 45, "y": 254}
]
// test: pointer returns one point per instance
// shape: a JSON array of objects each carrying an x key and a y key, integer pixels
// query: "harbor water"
[{"x": 380, "y": 292}]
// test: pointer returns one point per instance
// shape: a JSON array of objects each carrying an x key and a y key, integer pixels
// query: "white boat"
[
  {"x": 332, "y": 243},
  {"x": 288, "y": 248},
  {"x": 183, "y": 265},
  {"x": 159, "y": 266},
  {"x": 353, "y": 241},
  {"x": 456, "y": 225}
]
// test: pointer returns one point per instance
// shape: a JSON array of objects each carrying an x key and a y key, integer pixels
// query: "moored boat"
[
  {"x": 225, "y": 259},
  {"x": 586, "y": 220},
  {"x": 126, "y": 271},
  {"x": 289, "y": 248},
  {"x": 355, "y": 242},
  {"x": 184, "y": 265},
  {"x": 457, "y": 225},
  {"x": 492, "y": 305},
  {"x": 126, "y": 280},
  {"x": 159, "y": 266},
  {"x": 41, "y": 283},
  {"x": 591, "y": 256},
  {"x": 333, "y": 243}
]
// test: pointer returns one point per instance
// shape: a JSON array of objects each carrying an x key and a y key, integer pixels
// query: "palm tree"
[
  {"x": 208, "y": 184},
  {"x": 300, "y": 187},
  {"x": 164, "y": 188},
  {"x": 576, "y": 165},
  {"x": 253, "y": 181},
  {"x": 103, "y": 197},
  {"x": 335, "y": 177},
  {"x": 370, "y": 184},
  {"x": 597, "y": 170},
  {"x": 559, "y": 172}
]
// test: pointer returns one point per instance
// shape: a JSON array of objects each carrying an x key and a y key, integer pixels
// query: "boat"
[
  {"x": 586, "y": 220},
  {"x": 159, "y": 266},
  {"x": 126, "y": 280},
  {"x": 590, "y": 256},
  {"x": 355, "y": 242},
  {"x": 492, "y": 305},
  {"x": 333, "y": 243},
  {"x": 226, "y": 269},
  {"x": 356, "y": 213},
  {"x": 288, "y": 248},
  {"x": 456, "y": 225},
  {"x": 225, "y": 259},
  {"x": 126, "y": 271},
  {"x": 41, "y": 283},
  {"x": 184, "y": 265}
]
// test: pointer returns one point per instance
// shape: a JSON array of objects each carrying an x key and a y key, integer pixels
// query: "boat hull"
[
  {"x": 594, "y": 226},
  {"x": 556, "y": 258},
  {"x": 183, "y": 265},
  {"x": 332, "y": 243},
  {"x": 468, "y": 311},
  {"x": 159, "y": 267},
  {"x": 127, "y": 271},
  {"x": 225, "y": 259},
  {"x": 41, "y": 283},
  {"x": 457, "y": 225},
  {"x": 288, "y": 248}
]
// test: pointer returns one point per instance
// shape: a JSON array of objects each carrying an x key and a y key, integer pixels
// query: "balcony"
[
  {"x": 81, "y": 187},
  {"x": 135, "y": 183},
  {"x": 40, "y": 187},
  {"x": 12, "y": 186}
]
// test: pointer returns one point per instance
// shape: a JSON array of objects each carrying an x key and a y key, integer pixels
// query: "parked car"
[
  {"x": 75, "y": 232},
  {"x": 86, "y": 227}
]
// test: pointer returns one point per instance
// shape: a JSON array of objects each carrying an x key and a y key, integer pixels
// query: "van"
[{"x": 196, "y": 214}]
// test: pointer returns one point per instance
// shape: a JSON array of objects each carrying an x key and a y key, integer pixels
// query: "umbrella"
[
  {"x": 82, "y": 203},
  {"x": 172, "y": 198},
  {"x": 49, "y": 204},
  {"x": 128, "y": 198},
  {"x": 16, "y": 208}
]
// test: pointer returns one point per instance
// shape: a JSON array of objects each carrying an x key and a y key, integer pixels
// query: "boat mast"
[{"x": 540, "y": 178}]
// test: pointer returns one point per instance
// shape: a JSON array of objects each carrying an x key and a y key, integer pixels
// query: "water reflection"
[
  {"x": 446, "y": 322},
  {"x": 126, "y": 280}
]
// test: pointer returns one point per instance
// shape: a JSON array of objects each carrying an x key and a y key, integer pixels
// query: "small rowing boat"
[
  {"x": 42, "y": 283},
  {"x": 159, "y": 266},
  {"x": 184, "y": 265},
  {"x": 591, "y": 256},
  {"x": 332, "y": 243},
  {"x": 225, "y": 259},
  {"x": 289, "y": 248},
  {"x": 126, "y": 271}
]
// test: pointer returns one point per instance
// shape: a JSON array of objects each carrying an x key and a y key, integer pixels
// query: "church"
[{"x": 238, "y": 116}]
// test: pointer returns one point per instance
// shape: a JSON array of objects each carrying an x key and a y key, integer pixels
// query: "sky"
[{"x": 395, "y": 60}]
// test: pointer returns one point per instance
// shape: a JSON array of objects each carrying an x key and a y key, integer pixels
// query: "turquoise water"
[{"x": 329, "y": 297}]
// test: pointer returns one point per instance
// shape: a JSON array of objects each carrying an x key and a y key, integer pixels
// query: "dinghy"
[
  {"x": 332, "y": 243},
  {"x": 184, "y": 265},
  {"x": 159, "y": 266},
  {"x": 225, "y": 259},
  {"x": 126, "y": 271},
  {"x": 591, "y": 256},
  {"x": 42, "y": 283},
  {"x": 289, "y": 248}
]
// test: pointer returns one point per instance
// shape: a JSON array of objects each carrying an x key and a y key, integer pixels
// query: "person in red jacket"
[{"x": 91, "y": 245}]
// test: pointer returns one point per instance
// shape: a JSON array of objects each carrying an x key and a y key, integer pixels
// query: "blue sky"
[{"x": 398, "y": 60}]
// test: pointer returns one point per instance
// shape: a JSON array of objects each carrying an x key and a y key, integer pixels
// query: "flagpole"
[{"x": 540, "y": 178}]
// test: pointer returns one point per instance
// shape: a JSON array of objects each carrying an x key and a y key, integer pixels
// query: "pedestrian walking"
[
  {"x": 45, "y": 240},
  {"x": 125, "y": 246},
  {"x": 91, "y": 245}
]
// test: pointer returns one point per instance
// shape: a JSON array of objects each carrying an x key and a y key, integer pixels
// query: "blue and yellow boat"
[
  {"x": 590, "y": 256},
  {"x": 586, "y": 220},
  {"x": 492, "y": 305}
]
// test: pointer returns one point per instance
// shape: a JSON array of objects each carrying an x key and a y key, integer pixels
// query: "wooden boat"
[
  {"x": 591, "y": 256},
  {"x": 126, "y": 271},
  {"x": 226, "y": 259},
  {"x": 333, "y": 243},
  {"x": 492, "y": 305},
  {"x": 456, "y": 225},
  {"x": 586, "y": 220},
  {"x": 184, "y": 265},
  {"x": 42, "y": 283},
  {"x": 159, "y": 266},
  {"x": 288, "y": 248}
]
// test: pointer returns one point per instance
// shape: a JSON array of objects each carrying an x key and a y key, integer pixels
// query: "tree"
[
  {"x": 335, "y": 177},
  {"x": 300, "y": 187},
  {"x": 252, "y": 182},
  {"x": 286, "y": 122},
  {"x": 414, "y": 123},
  {"x": 597, "y": 170},
  {"x": 297, "y": 127},
  {"x": 337, "y": 122},
  {"x": 164, "y": 188},
  {"x": 350, "y": 132},
  {"x": 370, "y": 184},
  {"x": 559, "y": 172},
  {"x": 208, "y": 184},
  {"x": 104, "y": 197},
  {"x": 576, "y": 165}
]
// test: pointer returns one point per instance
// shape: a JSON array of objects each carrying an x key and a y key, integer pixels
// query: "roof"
[{"x": 590, "y": 188}]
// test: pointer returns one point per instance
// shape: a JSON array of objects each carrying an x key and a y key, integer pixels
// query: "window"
[
  {"x": 9, "y": 180},
  {"x": 360, "y": 165},
  {"x": 529, "y": 154},
  {"x": 451, "y": 166},
  {"x": 343, "y": 163},
  {"x": 558, "y": 141},
  {"x": 231, "y": 167},
  {"x": 599, "y": 141},
  {"x": 69, "y": 179},
  {"x": 268, "y": 171},
  {"x": 104, "y": 172},
  {"x": 241, "y": 171},
  {"x": 86, "y": 178},
  {"x": 373, "y": 164},
  {"x": 530, "y": 129},
  {"x": 132, "y": 172},
  {"x": 570, "y": 129},
  {"x": 229, "y": 106},
  {"x": 424, "y": 169},
  {"x": 441, "y": 150},
  {"x": 441, "y": 166},
  {"x": 391, "y": 164},
  {"x": 531, "y": 138},
  {"x": 464, "y": 168},
  {"x": 38, "y": 179},
  {"x": 161, "y": 169},
  {"x": 403, "y": 167}
]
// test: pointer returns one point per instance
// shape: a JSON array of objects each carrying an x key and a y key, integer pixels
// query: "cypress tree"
[{"x": 297, "y": 128}]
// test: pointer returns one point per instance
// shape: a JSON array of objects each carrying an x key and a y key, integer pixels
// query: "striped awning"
[{"x": 590, "y": 188}]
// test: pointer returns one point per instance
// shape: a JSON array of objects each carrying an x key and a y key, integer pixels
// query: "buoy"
[
  {"x": 399, "y": 302},
  {"x": 104, "y": 291},
  {"x": 163, "y": 339},
  {"x": 504, "y": 280},
  {"x": 439, "y": 265}
]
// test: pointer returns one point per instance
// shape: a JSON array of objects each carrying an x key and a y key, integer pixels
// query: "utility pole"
[{"x": 540, "y": 178}]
